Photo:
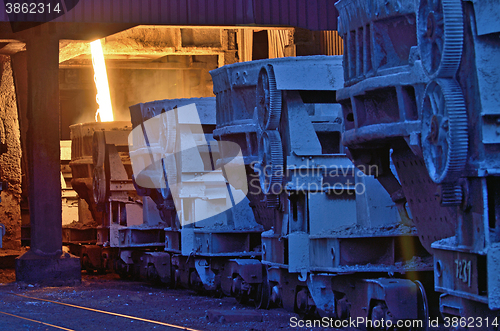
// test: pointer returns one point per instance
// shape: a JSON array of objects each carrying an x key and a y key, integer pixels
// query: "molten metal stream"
[{"x": 105, "y": 112}]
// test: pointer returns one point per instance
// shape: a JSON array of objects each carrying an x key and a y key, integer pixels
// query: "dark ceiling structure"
[{"x": 308, "y": 14}]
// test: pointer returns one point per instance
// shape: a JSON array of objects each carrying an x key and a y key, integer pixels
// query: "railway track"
[{"x": 129, "y": 317}]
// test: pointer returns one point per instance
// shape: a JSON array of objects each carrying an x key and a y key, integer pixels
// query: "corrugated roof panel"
[
  {"x": 322, "y": 12},
  {"x": 3, "y": 14},
  {"x": 292, "y": 13},
  {"x": 229, "y": 16},
  {"x": 311, "y": 14},
  {"x": 239, "y": 11},
  {"x": 211, "y": 13},
  {"x": 301, "y": 13}
]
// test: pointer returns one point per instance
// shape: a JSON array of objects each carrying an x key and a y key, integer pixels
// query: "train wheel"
[
  {"x": 176, "y": 279},
  {"x": 303, "y": 304},
  {"x": 342, "y": 306},
  {"x": 240, "y": 290},
  {"x": 121, "y": 269},
  {"x": 379, "y": 316},
  {"x": 423, "y": 306},
  {"x": 382, "y": 318},
  {"x": 195, "y": 282},
  {"x": 263, "y": 293}
]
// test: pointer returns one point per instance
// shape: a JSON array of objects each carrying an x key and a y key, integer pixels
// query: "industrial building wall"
[{"x": 10, "y": 213}]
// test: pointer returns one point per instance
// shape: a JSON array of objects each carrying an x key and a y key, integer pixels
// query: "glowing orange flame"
[{"x": 105, "y": 112}]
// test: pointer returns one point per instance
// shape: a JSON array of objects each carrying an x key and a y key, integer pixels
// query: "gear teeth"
[
  {"x": 457, "y": 133},
  {"x": 451, "y": 194},
  {"x": 271, "y": 152},
  {"x": 452, "y": 42},
  {"x": 269, "y": 114},
  {"x": 274, "y": 102},
  {"x": 99, "y": 186}
]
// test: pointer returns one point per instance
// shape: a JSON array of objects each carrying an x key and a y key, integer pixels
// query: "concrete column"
[
  {"x": 45, "y": 263},
  {"x": 43, "y": 145}
]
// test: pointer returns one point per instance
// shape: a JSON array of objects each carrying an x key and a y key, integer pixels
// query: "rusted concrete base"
[
  {"x": 64, "y": 270},
  {"x": 233, "y": 316}
]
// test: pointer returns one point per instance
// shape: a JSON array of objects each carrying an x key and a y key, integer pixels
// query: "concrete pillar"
[
  {"x": 20, "y": 71},
  {"x": 43, "y": 145},
  {"x": 45, "y": 263}
]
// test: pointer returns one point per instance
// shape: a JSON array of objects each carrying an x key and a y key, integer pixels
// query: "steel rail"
[
  {"x": 35, "y": 321},
  {"x": 110, "y": 313}
]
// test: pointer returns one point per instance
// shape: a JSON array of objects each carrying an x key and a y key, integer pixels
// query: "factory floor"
[{"x": 105, "y": 302}]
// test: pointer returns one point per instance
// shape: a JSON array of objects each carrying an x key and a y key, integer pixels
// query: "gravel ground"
[
  {"x": 109, "y": 293},
  {"x": 181, "y": 308}
]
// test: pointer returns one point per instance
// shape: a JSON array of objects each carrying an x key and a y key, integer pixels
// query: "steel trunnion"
[{"x": 420, "y": 89}]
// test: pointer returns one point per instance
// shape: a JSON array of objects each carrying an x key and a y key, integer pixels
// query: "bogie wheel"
[
  {"x": 121, "y": 269},
  {"x": 422, "y": 306},
  {"x": 342, "y": 306},
  {"x": 303, "y": 304},
  {"x": 382, "y": 319},
  {"x": 263, "y": 292},
  {"x": 379, "y": 316},
  {"x": 240, "y": 290}
]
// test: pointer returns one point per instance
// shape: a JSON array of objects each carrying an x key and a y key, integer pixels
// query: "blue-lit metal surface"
[{"x": 427, "y": 96}]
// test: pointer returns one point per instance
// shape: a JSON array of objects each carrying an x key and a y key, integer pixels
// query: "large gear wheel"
[
  {"x": 271, "y": 167},
  {"x": 168, "y": 131},
  {"x": 99, "y": 181},
  {"x": 268, "y": 99},
  {"x": 99, "y": 186},
  {"x": 444, "y": 131},
  {"x": 440, "y": 32},
  {"x": 98, "y": 148}
]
